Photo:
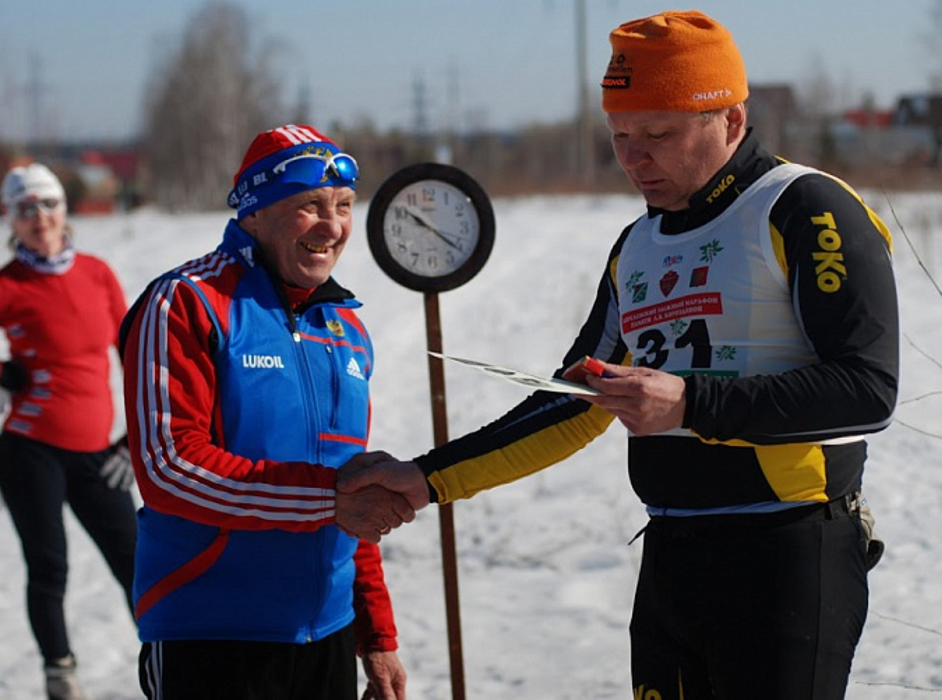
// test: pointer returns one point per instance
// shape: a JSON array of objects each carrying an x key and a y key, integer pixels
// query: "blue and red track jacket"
[{"x": 240, "y": 409}]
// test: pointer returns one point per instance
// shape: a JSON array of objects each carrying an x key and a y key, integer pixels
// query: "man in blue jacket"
[{"x": 246, "y": 389}]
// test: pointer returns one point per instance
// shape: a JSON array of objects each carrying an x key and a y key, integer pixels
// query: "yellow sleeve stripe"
[
  {"x": 795, "y": 472},
  {"x": 778, "y": 247},
  {"x": 778, "y": 242},
  {"x": 520, "y": 458},
  {"x": 874, "y": 218}
]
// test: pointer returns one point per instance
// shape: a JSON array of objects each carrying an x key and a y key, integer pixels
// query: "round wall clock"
[{"x": 430, "y": 227}]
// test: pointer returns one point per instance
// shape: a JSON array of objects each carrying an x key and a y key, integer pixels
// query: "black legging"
[
  {"x": 744, "y": 607},
  {"x": 36, "y": 480}
]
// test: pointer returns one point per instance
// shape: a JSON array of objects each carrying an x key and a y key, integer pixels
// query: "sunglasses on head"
[
  {"x": 319, "y": 167},
  {"x": 29, "y": 209}
]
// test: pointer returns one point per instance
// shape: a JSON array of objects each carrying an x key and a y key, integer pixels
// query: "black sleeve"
[{"x": 840, "y": 273}]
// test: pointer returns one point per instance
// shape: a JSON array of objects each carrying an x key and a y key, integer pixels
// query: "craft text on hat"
[
  {"x": 285, "y": 161},
  {"x": 674, "y": 61}
]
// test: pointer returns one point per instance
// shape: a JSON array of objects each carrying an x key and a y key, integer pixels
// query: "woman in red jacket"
[{"x": 61, "y": 311}]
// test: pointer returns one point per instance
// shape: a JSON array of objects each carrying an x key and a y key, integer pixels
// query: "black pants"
[
  {"x": 746, "y": 607},
  {"x": 236, "y": 670},
  {"x": 36, "y": 480}
]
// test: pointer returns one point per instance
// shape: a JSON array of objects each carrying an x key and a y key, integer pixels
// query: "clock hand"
[{"x": 425, "y": 224}]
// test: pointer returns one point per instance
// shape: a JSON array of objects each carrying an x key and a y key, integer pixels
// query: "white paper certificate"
[{"x": 530, "y": 381}]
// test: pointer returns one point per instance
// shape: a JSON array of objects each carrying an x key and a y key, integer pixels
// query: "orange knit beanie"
[{"x": 673, "y": 61}]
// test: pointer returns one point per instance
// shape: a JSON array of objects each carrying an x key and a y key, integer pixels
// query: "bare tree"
[
  {"x": 818, "y": 97},
  {"x": 204, "y": 104}
]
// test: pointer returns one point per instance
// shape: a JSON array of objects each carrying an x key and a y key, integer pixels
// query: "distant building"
[
  {"x": 869, "y": 118},
  {"x": 923, "y": 112},
  {"x": 109, "y": 178},
  {"x": 919, "y": 110},
  {"x": 868, "y": 136},
  {"x": 98, "y": 179}
]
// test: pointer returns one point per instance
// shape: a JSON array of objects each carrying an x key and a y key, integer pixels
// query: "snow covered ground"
[{"x": 546, "y": 573}]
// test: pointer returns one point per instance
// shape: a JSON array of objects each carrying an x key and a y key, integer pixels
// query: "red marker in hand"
[{"x": 587, "y": 365}]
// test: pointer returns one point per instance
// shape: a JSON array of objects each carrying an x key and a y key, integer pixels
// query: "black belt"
[
  {"x": 728, "y": 523},
  {"x": 840, "y": 507}
]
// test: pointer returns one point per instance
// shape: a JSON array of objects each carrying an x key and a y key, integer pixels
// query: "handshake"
[{"x": 377, "y": 493}]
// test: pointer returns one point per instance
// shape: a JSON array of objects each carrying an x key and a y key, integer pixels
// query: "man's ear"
[
  {"x": 735, "y": 122},
  {"x": 249, "y": 223}
]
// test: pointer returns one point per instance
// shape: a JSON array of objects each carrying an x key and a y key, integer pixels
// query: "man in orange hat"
[
  {"x": 247, "y": 386},
  {"x": 748, "y": 329}
]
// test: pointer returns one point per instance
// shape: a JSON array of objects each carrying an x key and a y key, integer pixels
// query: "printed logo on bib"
[
  {"x": 637, "y": 288},
  {"x": 668, "y": 281},
  {"x": 698, "y": 276},
  {"x": 709, "y": 251},
  {"x": 704, "y": 304}
]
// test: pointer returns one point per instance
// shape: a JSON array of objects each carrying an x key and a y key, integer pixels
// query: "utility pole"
[
  {"x": 420, "y": 119},
  {"x": 420, "y": 123},
  {"x": 445, "y": 153},
  {"x": 34, "y": 98},
  {"x": 585, "y": 153}
]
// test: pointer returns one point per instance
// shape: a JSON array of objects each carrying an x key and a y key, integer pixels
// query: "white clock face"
[{"x": 431, "y": 228}]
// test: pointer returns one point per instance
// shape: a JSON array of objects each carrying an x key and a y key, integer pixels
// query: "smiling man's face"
[{"x": 302, "y": 236}]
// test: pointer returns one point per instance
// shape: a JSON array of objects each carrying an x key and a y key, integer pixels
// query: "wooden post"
[{"x": 446, "y": 521}]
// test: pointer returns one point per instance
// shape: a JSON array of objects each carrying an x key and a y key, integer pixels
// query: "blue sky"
[{"x": 496, "y": 63}]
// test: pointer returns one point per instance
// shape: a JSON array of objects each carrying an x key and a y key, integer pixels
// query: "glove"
[
  {"x": 116, "y": 469},
  {"x": 14, "y": 376},
  {"x": 875, "y": 546}
]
